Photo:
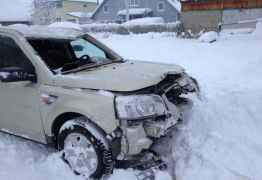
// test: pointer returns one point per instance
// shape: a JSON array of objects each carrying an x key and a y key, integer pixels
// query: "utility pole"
[{"x": 127, "y": 10}]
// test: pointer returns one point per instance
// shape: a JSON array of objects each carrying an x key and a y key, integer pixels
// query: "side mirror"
[
  {"x": 15, "y": 74},
  {"x": 78, "y": 48}
]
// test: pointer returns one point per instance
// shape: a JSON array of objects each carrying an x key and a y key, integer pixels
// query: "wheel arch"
[{"x": 61, "y": 119}]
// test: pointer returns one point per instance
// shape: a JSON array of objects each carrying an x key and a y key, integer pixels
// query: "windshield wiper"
[{"x": 84, "y": 67}]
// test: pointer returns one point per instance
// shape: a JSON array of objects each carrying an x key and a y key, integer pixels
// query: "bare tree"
[{"x": 44, "y": 12}]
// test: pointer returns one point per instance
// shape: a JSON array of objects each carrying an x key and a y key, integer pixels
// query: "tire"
[{"x": 75, "y": 140}]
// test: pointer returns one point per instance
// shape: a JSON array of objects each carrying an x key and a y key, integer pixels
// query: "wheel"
[{"x": 83, "y": 152}]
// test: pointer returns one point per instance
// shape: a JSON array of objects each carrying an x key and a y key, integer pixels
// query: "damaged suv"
[{"x": 63, "y": 88}]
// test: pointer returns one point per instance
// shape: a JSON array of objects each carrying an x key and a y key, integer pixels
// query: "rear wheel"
[{"x": 83, "y": 152}]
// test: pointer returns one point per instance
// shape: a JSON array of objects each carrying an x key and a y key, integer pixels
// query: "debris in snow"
[{"x": 208, "y": 37}]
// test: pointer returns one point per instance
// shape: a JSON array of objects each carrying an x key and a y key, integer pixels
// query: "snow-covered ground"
[{"x": 220, "y": 140}]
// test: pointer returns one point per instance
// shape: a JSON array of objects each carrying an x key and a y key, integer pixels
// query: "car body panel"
[
  {"x": 127, "y": 76},
  {"x": 96, "y": 106},
  {"x": 19, "y": 111}
]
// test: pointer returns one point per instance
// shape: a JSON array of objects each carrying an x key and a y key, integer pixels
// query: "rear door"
[{"x": 19, "y": 101}]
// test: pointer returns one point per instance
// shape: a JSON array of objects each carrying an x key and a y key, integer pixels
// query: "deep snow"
[{"x": 220, "y": 140}]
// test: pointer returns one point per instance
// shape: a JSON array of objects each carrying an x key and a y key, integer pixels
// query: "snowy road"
[{"x": 221, "y": 140}]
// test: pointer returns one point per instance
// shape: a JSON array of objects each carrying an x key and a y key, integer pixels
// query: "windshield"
[{"x": 65, "y": 56}]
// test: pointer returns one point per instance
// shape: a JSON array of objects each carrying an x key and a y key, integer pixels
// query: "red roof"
[{"x": 191, "y": 5}]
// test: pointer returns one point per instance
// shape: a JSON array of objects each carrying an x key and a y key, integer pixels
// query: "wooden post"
[{"x": 127, "y": 10}]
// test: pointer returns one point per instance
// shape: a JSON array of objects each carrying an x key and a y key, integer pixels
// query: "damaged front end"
[{"x": 148, "y": 115}]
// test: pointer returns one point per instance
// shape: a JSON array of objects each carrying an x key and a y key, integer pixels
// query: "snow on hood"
[{"x": 128, "y": 76}]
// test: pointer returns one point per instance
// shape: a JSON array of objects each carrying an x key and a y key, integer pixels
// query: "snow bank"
[
  {"x": 65, "y": 25},
  {"x": 221, "y": 139},
  {"x": 208, "y": 37},
  {"x": 145, "y": 21}
]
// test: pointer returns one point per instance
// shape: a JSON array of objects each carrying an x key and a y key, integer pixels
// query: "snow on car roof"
[{"x": 45, "y": 32}]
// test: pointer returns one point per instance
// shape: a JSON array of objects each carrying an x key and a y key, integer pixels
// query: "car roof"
[{"x": 42, "y": 32}]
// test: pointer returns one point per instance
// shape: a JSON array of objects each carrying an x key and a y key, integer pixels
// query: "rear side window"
[{"x": 12, "y": 56}]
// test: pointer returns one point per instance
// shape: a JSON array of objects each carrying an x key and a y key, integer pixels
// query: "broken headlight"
[{"x": 139, "y": 106}]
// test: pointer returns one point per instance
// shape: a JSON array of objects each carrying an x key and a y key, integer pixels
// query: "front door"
[{"x": 19, "y": 101}]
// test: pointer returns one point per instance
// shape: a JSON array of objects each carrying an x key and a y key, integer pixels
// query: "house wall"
[
  {"x": 113, "y": 7},
  {"x": 196, "y": 21},
  {"x": 231, "y": 16},
  {"x": 191, "y": 5},
  {"x": 170, "y": 14}
]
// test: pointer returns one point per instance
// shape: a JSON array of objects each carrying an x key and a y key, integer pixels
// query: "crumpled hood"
[{"x": 128, "y": 76}]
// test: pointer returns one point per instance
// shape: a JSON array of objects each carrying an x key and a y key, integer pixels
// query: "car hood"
[{"x": 127, "y": 76}]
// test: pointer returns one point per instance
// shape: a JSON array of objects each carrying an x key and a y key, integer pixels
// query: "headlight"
[{"x": 139, "y": 106}]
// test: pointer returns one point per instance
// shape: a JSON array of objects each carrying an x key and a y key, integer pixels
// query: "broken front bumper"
[{"x": 141, "y": 135}]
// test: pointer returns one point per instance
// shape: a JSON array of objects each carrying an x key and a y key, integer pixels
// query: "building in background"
[
  {"x": 49, "y": 11},
  {"x": 45, "y": 11},
  {"x": 78, "y": 11},
  {"x": 216, "y": 14},
  {"x": 116, "y": 10}
]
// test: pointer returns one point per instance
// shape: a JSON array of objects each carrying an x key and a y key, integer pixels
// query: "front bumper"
[{"x": 143, "y": 135}]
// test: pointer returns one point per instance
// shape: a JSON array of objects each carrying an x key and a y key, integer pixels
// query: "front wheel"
[{"x": 83, "y": 152}]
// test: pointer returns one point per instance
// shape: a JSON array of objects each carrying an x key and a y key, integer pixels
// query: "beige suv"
[{"x": 63, "y": 88}]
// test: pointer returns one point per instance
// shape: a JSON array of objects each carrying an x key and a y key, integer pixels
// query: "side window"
[
  {"x": 12, "y": 56},
  {"x": 82, "y": 47},
  {"x": 105, "y": 9},
  {"x": 161, "y": 6}
]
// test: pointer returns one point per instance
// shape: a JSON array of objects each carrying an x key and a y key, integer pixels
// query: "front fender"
[{"x": 96, "y": 106}]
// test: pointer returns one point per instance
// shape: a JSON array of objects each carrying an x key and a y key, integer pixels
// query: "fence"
[{"x": 136, "y": 29}]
